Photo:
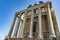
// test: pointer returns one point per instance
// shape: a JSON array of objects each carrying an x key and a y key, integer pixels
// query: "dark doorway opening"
[{"x": 34, "y": 28}]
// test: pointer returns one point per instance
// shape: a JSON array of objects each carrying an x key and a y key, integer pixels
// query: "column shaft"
[
  {"x": 52, "y": 32},
  {"x": 31, "y": 25},
  {"x": 12, "y": 26},
  {"x": 20, "y": 29},
  {"x": 24, "y": 20},
  {"x": 40, "y": 35},
  {"x": 16, "y": 29}
]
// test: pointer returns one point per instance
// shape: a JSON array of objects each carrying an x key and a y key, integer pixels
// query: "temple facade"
[{"x": 37, "y": 22}]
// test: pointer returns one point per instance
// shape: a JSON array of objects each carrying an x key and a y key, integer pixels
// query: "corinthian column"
[
  {"x": 17, "y": 27},
  {"x": 31, "y": 25},
  {"x": 22, "y": 26},
  {"x": 24, "y": 20},
  {"x": 52, "y": 32},
  {"x": 12, "y": 26},
  {"x": 20, "y": 30},
  {"x": 40, "y": 36}
]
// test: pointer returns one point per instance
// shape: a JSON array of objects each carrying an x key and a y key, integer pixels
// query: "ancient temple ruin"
[{"x": 37, "y": 22}]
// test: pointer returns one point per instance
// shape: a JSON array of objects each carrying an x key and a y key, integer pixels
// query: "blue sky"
[{"x": 9, "y": 7}]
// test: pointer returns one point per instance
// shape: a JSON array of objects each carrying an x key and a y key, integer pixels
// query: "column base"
[
  {"x": 20, "y": 37},
  {"x": 30, "y": 36},
  {"x": 40, "y": 38},
  {"x": 14, "y": 37},
  {"x": 52, "y": 38},
  {"x": 7, "y": 37}
]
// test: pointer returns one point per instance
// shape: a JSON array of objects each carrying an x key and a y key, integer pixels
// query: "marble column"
[
  {"x": 12, "y": 26},
  {"x": 40, "y": 34},
  {"x": 22, "y": 25},
  {"x": 20, "y": 30},
  {"x": 52, "y": 32},
  {"x": 24, "y": 20},
  {"x": 17, "y": 27},
  {"x": 31, "y": 25}
]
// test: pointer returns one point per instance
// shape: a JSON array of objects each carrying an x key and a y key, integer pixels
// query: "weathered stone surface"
[{"x": 45, "y": 26}]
